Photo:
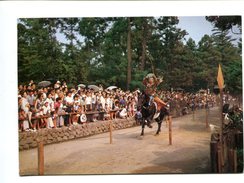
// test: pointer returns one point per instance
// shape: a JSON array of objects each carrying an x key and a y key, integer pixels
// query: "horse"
[{"x": 151, "y": 112}]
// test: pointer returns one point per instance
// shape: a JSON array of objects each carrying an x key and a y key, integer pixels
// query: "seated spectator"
[
  {"x": 77, "y": 110},
  {"x": 107, "y": 110},
  {"x": 23, "y": 121},
  {"x": 123, "y": 113}
]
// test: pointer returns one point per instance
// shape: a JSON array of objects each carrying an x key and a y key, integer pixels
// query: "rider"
[{"x": 151, "y": 82}]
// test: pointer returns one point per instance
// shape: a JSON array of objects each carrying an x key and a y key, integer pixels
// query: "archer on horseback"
[{"x": 151, "y": 82}]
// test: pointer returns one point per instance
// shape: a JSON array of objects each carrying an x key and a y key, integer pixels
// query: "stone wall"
[{"x": 28, "y": 140}]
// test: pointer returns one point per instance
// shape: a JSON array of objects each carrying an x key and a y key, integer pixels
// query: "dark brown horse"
[{"x": 150, "y": 112}]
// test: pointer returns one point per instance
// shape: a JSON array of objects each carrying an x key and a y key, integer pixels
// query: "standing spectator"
[
  {"x": 38, "y": 109},
  {"x": 100, "y": 87},
  {"x": 47, "y": 113},
  {"x": 64, "y": 85},
  {"x": 58, "y": 106},
  {"x": 31, "y": 98},
  {"x": 26, "y": 106},
  {"x": 57, "y": 85},
  {"x": 50, "y": 101},
  {"x": 69, "y": 102},
  {"x": 93, "y": 101},
  {"x": 102, "y": 99},
  {"x": 88, "y": 101},
  {"x": 122, "y": 101}
]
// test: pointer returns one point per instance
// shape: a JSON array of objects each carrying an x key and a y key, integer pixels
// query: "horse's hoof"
[
  {"x": 141, "y": 137},
  {"x": 156, "y": 134}
]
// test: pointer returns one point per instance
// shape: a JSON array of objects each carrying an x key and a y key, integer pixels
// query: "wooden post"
[
  {"x": 239, "y": 140},
  {"x": 110, "y": 131},
  {"x": 40, "y": 158},
  {"x": 170, "y": 130},
  {"x": 231, "y": 160},
  {"x": 221, "y": 120},
  {"x": 70, "y": 119},
  {"x": 167, "y": 121},
  {"x": 213, "y": 156},
  {"x": 235, "y": 160},
  {"x": 207, "y": 117},
  {"x": 219, "y": 160}
]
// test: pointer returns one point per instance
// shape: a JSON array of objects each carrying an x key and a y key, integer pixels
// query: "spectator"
[
  {"x": 58, "y": 106},
  {"x": 123, "y": 113},
  {"x": 31, "y": 98},
  {"x": 88, "y": 101},
  {"x": 23, "y": 121},
  {"x": 83, "y": 100},
  {"x": 57, "y": 85},
  {"x": 26, "y": 106},
  {"x": 107, "y": 112},
  {"x": 47, "y": 113}
]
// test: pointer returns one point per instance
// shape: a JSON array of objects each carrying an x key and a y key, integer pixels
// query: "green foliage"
[
  {"x": 225, "y": 22},
  {"x": 96, "y": 52}
]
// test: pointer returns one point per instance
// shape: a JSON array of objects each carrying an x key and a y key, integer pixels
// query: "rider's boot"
[{"x": 150, "y": 100}]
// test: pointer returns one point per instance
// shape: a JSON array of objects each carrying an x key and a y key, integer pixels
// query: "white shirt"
[
  {"x": 69, "y": 100},
  {"x": 88, "y": 100},
  {"x": 123, "y": 113},
  {"x": 46, "y": 109},
  {"x": 24, "y": 105}
]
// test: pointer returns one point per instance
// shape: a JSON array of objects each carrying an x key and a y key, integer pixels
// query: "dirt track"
[{"x": 129, "y": 154}]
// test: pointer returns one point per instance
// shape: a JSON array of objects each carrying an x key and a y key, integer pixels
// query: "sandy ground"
[{"x": 129, "y": 153}]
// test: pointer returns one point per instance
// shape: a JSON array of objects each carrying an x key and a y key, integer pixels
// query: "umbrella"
[
  {"x": 112, "y": 87},
  {"x": 93, "y": 87},
  {"x": 81, "y": 85},
  {"x": 179, "y": 89},
  {"x": 202, "y": 91},
  {"x": 44, "y": 84}
]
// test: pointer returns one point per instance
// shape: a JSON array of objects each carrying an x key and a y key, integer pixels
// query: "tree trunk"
[
  {"x": 129, "y": 55},
  {"x": 144, "y": 44}
]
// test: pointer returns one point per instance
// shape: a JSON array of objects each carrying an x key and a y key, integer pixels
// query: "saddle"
[{"x": 159, "y": 103}]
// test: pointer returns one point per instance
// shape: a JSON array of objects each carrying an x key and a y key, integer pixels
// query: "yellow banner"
[{"x": 220, "y": 78}]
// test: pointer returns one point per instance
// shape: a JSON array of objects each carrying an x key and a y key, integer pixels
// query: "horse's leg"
[
  {"x": 159, "y": 128},
  {"x": 149, "y": 123},
  {"x": 142, "y": 127},
  {"x": 159, "y": 121}
]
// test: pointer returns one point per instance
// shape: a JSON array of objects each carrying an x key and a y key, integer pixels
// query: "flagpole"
[
  {"x": 221, "y": 114},
  {"x": 220, "y": 80}
]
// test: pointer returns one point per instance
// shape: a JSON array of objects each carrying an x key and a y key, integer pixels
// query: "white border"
[{"x": 10, "y": 11}]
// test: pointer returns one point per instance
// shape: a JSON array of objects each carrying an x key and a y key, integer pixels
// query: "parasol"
[
  {"x": 81, "y": 85},
  {"x": 112, "y": 87},
  {"x": 94, "y": 87},
  {"x": 44, "y": 84}
]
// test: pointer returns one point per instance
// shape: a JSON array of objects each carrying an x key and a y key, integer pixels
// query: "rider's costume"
[{"x": 151, "y": 82}]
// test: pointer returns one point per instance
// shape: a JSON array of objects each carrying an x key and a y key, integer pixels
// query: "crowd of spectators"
[
  {"x": 48, "y": 107},
  {"x": 56, "y": 106}
]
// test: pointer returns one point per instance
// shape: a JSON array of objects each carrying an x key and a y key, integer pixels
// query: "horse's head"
[{"x": 143, "y": 100}]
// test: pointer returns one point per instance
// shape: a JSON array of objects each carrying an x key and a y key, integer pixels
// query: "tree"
[
  {"x": 38, "y": 49},
  {"x": 230, "y": 59},
  {"x": 129, "y": 54},
  {"x": 225, "y": 23}
]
